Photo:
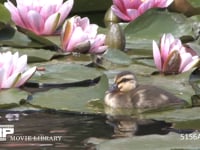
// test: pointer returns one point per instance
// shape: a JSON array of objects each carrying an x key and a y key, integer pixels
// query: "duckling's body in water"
[{"x": 127, "y": 93}]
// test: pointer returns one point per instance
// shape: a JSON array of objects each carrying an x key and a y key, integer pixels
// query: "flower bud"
[
  {"x": 110, "y": 18},
  {"x": 115, "y": 37}
]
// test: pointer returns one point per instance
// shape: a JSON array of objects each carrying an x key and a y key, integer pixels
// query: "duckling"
[{"x": 127, "y": 93}]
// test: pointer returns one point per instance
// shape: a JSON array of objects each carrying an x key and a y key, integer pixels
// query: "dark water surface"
[{"x": 74, "y": 129}]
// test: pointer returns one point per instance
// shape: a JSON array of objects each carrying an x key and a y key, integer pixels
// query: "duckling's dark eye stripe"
[{"x": 124, "y": 80}]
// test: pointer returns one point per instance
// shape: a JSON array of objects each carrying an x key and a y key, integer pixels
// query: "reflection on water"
[
  {"x": 74, "y": 129},
  {"x": 125, "y": 126}
]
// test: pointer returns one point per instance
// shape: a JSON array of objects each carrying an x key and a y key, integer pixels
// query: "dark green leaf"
[
  {"x": 151, "y": 26},
  {"x": 4, "y": 15}
]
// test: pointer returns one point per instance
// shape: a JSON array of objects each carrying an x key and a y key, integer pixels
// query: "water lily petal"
[
  {"x": 165, "y": 3},
  {"x": 2, "y": 72},
  {"x": 77, "y": 37},
  {"x": 10, "y": 81},
  {"x": 38, "y": 16},
  {"x": 146, "y": 5},
  {"x": 21, "y": 63},
  {"x": 47, "y": 11},
  {"x": 65, "y": 9},
  {"x": 51, "y": 24},
  {"x": 91, "y": 30},
  {"x": 14, "y": 13},
  {"x": 192, "y": 64},
  {"x": 119, "y": 4},
  {"x": 97, "y": 45},
  {"x": 133, "y": 13},
  {"x": 36, "y": 21},
  {"x": 157, "y": 56},
  {"x": 23, "y": 12},
  {"x": 66, "y": 33},
  {"x": 186, "y": 58},
  {"x": 129, "y": 10},
  {"x": 120, "y": 14},
  {"x": 12, "y": 68},
  {"x": 25, "y": 76}
]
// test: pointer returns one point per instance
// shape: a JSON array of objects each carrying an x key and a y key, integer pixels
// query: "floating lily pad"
[
  {"x": 194, "y": 3},
  {"x": 59, "y": 73},
  {"x": 11, "y": 97},
  {"x": 34, "y": 55},
  {"x": 151, "y": 25},
  {"x": 151, "y": 142},
  {"x": 112, "y": 58},
  {"x": 40, "y": 39},
  {"x": 63, "y": 86},
  {"x": 73, "y": 99}
]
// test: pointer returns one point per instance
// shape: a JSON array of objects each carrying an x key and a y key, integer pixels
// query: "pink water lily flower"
[
  {"x": 78, "y": 35},
  {"x": 13, "y": 70},
  {"x": 172, "y": 57},
  {"x": 129, "y": 10},
  {"x": 42, "y": 17}
]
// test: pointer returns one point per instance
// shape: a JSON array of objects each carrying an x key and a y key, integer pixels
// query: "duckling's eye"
[{"x": 124, "y": 80}]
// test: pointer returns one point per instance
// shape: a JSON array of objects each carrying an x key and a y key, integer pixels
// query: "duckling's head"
[{"x": 124, "y": 82}]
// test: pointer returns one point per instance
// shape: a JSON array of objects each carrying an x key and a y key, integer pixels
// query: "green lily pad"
[
  {"x": 152, "y": 142},
  {"x": 39, "y": 39},
  {"x": 11, "y": 97},
  {"x": 194, "y": 3},
  {"x": 34, "y": 55},
  {"x": 73, "y": 99},
  {"x": 59, "y": 73},
  {"x": 112, "y": 58},
  {"x": 63, "y": 86},
  {"x": 151, "y": 26},
  {"x": 11, "y": 37},
  {"x": 178, "y": 116}
]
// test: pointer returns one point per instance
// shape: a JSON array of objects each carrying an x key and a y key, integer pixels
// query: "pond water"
[{"x": 76, "y": 130}]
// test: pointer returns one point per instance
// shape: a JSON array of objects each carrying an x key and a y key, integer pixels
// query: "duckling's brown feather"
[
  {"x": 128, "y": 94},
  {"x": 147, "y": 96}
]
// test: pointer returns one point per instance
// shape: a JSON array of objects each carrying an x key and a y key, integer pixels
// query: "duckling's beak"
[{"x": 113, "y": 88}]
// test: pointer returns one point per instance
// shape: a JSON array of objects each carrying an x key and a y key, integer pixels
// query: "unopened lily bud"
[
  {"x": 115, "y": 37},
  {"x": 110, "y": 18}
]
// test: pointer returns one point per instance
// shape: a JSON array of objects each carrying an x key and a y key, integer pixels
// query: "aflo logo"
[{"x": 5, "y": 130}]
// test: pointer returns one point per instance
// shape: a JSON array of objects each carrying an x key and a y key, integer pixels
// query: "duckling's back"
[{"x": 147, "y": 96}]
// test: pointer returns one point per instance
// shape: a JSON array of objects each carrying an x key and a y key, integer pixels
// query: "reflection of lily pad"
[{"x": 11, "y": 97}]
